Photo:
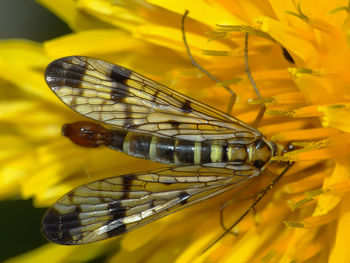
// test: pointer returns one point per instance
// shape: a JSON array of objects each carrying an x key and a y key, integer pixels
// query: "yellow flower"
[{"x": 305, "y": 216}]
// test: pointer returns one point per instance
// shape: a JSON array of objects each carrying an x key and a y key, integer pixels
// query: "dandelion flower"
[{"x": 302, "y": 219}]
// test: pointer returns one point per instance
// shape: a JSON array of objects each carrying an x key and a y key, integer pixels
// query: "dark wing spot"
[
  {"x": 120, "y": 229},
  {"x": 186, "y": 107},
  {"x": 119, "y": 74},
  {"x": 155, "y": 96},
  {"x": 118, "y": 95},
  {"x": 56, "y": 226},
  {"x": 174, "y": 124},
  {"x": 62, "y": 72},
  {"x": 116, "y": 210},
  {"x": 128, "y": 120},
  {"x": 127, "y": 183},
  {"x": 70, "y": 197}
]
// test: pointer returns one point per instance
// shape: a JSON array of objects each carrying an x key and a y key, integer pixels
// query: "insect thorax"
[{"x": 259, "y": 153}]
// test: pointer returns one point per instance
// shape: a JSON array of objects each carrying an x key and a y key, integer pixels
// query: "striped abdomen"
[{"x": 168, "y": 150}]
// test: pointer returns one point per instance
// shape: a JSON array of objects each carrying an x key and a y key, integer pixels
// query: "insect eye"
[
  {"x": 289, "y": 147},
  {"x": 259, "y": 144}
]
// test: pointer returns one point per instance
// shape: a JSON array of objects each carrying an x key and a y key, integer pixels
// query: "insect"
[
  {"x": 209, "y": 152},
  {"x": 212, "y": 151}
]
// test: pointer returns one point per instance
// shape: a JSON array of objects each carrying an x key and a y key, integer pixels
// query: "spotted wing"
[
  {"x": 118, "y": 96},
  {"x": 116, "y": 205}
]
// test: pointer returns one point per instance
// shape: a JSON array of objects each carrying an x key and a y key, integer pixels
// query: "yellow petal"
[
  {"x": 340, "y": 251},
  {"x": 57, "y": 254},
  {"x": 172, "y": 38},
  {"x": 210, "y": 12},
  {"x": 289, "y": 38},
  {"x": 326, "y": 201},
  {"x": 335, "y": 116},
  {"x": 91, "y": 42},
  {"x": 69, "y": 12}
]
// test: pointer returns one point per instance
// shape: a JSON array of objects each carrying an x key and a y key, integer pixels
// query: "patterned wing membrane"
[
  {"x": 120, "y": 97},
  {"x": 112, "y": 206}
]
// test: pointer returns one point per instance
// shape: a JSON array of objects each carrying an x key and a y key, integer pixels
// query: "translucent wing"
[
  {"x": 112, "y": 206},
  {"x": 118, "y": 96}
]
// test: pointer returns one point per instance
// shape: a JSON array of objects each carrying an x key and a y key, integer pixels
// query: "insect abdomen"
[
  {"x": 166, "y": 150},
  {"x": 181, "y": 152},
  {"x": 146, "y": 146}
]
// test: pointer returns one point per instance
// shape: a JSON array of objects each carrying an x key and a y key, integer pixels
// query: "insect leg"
[
  {"x": 232, "y": 201},
  {"x": 252, "y": 207},
  {"x": 222, "y": 208},
  {"x": 195, "y": 63},
  {"x": 250, "y": 77}
]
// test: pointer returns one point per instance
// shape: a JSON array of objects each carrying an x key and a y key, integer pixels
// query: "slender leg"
[
  {"x": 222, "y": 208},
  {"x": 232, "y": 201},
  {"x": 195, "y": 63},
  {"x": 250, "y": 77},
  {"x": 252, "y": 207}
]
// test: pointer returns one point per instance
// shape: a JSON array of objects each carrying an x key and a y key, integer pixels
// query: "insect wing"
[
  {"x": 120, "y": 97},
  {"x": 116, "y": 205}
]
